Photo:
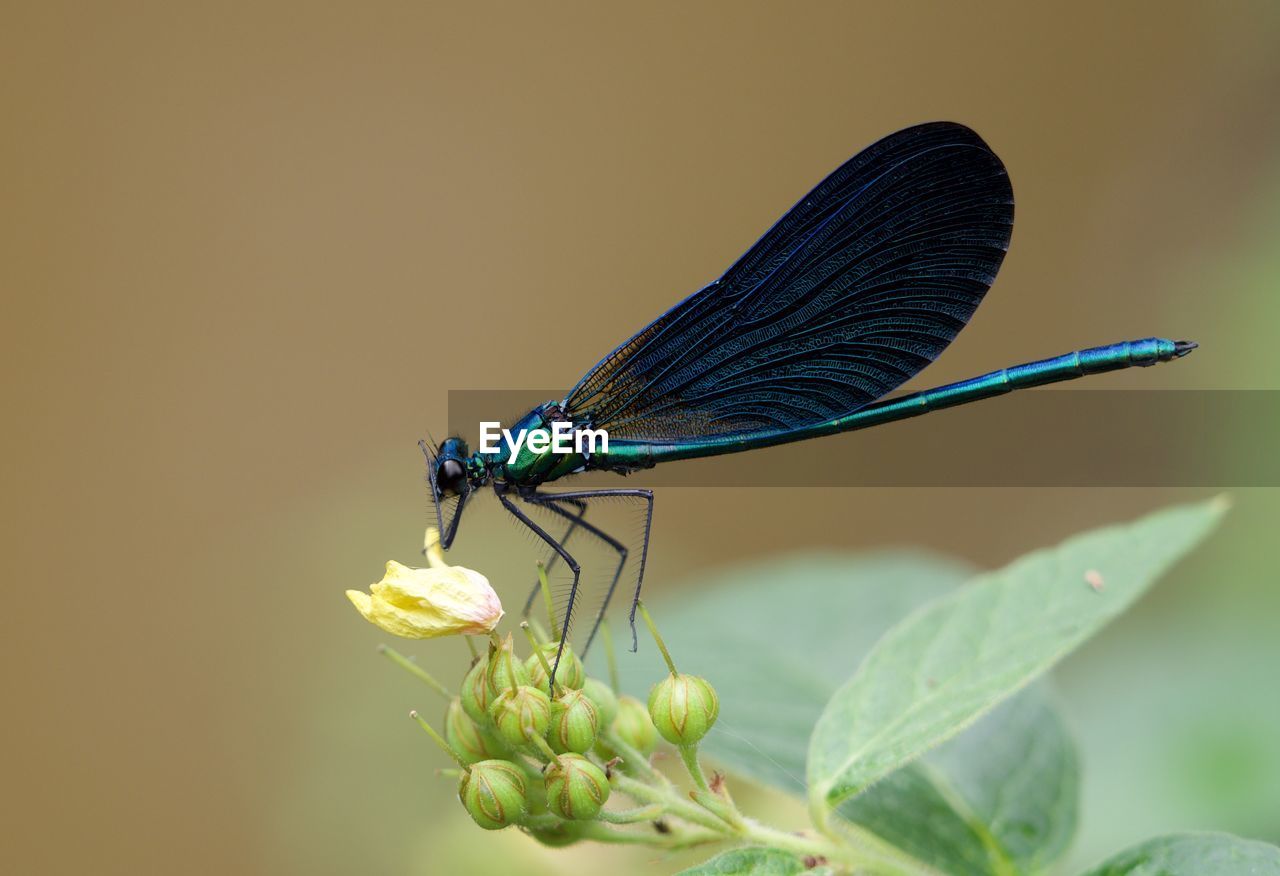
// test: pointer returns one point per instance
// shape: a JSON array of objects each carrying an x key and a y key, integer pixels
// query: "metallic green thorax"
[{"x": 530, "y": 469}]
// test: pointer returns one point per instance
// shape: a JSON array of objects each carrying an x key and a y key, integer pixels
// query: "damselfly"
[{"x": 858, "y": 287}]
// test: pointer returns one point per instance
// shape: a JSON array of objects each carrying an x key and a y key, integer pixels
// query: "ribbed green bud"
[
  {"x": 633, "y": 725},
  {"x": 504, "y": 670},
  {"x": 570, "y": 673},
  {"x": 683, "y": 708},
  {"x": 492, "y": 792},
  {"x": 574, "y": 722},
  {"x": 605, "y": 700},
  {"x": 565, "y": 833},
  {"x": 521, "y": 714},
  {"x": 576, "y": 788},
  {"x": 472, "y": 741},
  {"x": 475, "y": 691}
]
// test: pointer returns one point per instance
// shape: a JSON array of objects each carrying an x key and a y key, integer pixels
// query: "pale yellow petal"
[
  {"x": 431, "y": 544},
  {"x": 425, "y": 603},
  {"x": 363, "y": 603}
]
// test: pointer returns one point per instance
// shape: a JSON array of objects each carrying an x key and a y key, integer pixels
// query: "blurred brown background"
[{"x": 247, "y": 248}]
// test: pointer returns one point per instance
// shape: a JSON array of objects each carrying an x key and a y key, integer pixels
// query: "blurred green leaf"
[
  {"x": 999, "y": 798},
  {"x": 750, "y": 862},
  {"x": 943, "y": 667},
  {"x": 778, "y": 638},
  {"x": 1194, "y": 854},
  {"x": 1012, "y": 775}
]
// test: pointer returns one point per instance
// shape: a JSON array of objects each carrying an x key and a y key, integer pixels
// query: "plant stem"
[
  {"x": 652, "y": 812},
  {"x": 542, "y": 746},
  {"x": 635, "y": 760},
  {"x": 876, "y": 856},
  {"x": 546, "y": 597},
  {"x": 678, "y": 838},
  {"x": 873, "y": 856},
  {"x": 662, "y": 646},
  {"x": 689, "y": 754},
  {"x": 611, "y": 657},
  {"x": 439, "y": 740},
  {"x": 538, "y": 632},
  {"x": 542, "y": 658},
  {"x": 674, "y": 804},
  {"x": 888, "y": 857},
  {"x": 414, "y": 669}
]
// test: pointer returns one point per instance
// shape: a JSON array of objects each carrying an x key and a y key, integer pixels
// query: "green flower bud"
[
  {"x": 576, "y": 788},
  {"x": 504, "y": 670},
  {"x": 570, "y": 673},
  {"x": 683, "y": 708},
  {"x": 606, "y": 702},
  {"x": 521, "y": 714},
  {"x": 492, "y": 792},
  {"x": 633, "y": 725},
  {"x": 574, "y": 723},
  {"x": 473, "y": 742},
  {"x": 475, "y": 692},
  {"x": 566, "y": 833}
]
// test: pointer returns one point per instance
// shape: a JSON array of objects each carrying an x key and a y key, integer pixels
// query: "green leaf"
[
  {"x": 801, "y": 624},
  {"x": 1194, "y": 854},
  {"x": 999, "y": 798},
  {"x": 777, "y": 639},
  {"x": 943, "y": 667},
  {"x": 749, "y": 862}
]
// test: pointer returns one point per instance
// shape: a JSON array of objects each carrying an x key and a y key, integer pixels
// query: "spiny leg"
[
  {"x": 549, "y": 501},
  {"x": 564, "y": 540},
  {"x": 564, "y": 555},
  {"x": 647, "y": 496}
]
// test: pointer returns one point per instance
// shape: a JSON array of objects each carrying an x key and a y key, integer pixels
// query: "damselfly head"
[
  {"x": 451, "y": 467},
  {"x": 447, "y": 472}
]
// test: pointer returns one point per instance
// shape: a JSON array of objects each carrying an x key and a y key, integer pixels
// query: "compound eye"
[{"x": 451, "y": 476}]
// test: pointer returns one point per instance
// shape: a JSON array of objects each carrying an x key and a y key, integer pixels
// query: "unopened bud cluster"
[
  {"x": 538, "y": 743},
  {"x": 539, "y": 755},
  {"x": 532, "y": 750}
]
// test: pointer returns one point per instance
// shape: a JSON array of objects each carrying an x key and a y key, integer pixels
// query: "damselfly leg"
[
  {"x": 578, "y": 498},
  {"x": 551, "y": 501},
  {"x": 631, "y": 494},
  {"x": 575, "y": 519}
]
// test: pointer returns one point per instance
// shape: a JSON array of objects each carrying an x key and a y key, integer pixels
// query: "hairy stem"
[
  {"x": 652, "y": 812},
  {"x": 689, "y": 754},
  {"x": 634, "y": 761},
  {"x": 407, "y": 664}
]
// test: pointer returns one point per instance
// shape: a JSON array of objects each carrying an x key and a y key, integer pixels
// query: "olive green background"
[{"x": 247, "y": 249}]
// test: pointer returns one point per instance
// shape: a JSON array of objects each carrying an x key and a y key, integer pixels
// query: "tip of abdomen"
[{"x": 1182, "y": 348}]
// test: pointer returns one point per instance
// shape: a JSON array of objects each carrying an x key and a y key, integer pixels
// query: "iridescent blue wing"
[{"x": 858, "y": 287}]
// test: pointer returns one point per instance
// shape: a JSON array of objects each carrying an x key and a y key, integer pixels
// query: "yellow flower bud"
[{"x": 440, "y": 600}]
